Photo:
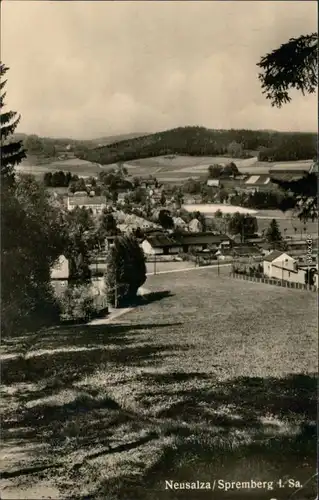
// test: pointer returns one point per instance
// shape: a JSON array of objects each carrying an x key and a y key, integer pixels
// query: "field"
[
  {"x": 76, "y": 166},
  {"x": 171, "y": 168},
  {"x": 209, "y": 378}
]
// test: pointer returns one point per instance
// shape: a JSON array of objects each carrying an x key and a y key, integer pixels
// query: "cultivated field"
[
  {"x": 209, "y": 378},
  {"x": 171, "y": 168},
  {"x": 76, "y": 166}
]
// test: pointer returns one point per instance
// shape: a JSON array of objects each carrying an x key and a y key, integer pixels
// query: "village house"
[
  {"x": 59, "y": 275},
  {"x": 94, "y": 203},
  {"x": 281, "y": 266},
  {"x": 163, "y": 244},
  {"x": 213, "y": 183},
  {"x": 195, "y": 226}
]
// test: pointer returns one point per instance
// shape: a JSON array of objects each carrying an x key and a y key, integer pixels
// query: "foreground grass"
[{"x": 213, "y": 379}]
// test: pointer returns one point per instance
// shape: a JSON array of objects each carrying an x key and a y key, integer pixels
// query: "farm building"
[
  {"x": 256, "y": 183},
  {"x": 300, "y": 167},
  {"x": 176, "y": 243},
  {"x": 95, "y": 203}
]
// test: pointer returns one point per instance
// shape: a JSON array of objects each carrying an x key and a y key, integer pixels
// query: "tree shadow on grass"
[
  {"x": 234, "y": 449},
  {"x": 247, "y": 398},
  {"x": 81, "y": 351},
  {"x": 149, "y": 298}
]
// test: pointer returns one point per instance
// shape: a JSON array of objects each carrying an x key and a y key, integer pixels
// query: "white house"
[
  {"x": 60, "y": 274},
  {"x": 213, "y": 183},
  {"x": 281, "y": 266},
  {"x": 195, "y": 226},
  {"x": 95, "y": 203}
]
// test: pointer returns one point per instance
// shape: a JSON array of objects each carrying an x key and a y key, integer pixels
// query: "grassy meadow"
[{"x": 208, "y": 378}]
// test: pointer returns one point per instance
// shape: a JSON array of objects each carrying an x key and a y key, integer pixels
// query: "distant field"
[
  {"x": 169, "y": 168},
  {"x": 173, "y": 168},
  {"x": 74, "y": 165}
]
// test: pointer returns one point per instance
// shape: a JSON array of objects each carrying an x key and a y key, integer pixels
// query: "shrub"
[{"x": 78, "y": 302}]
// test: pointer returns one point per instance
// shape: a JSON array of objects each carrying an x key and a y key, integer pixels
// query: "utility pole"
[
  {"x": 243, "y": 232},
  {"x": 115, "y": 294},
  {"x": 155, "y": 263},
  {"x": 217, "y": 265}
]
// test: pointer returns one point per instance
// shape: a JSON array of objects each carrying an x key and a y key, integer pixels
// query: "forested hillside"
[
  {"x": 199, "y": 141},
  {"x": 50, "y": 147}
]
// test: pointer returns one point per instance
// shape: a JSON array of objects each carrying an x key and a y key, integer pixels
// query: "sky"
[{"x": 91, "y": 69}]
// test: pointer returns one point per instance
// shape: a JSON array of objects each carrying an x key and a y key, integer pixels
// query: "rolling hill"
[{"x": 200, "y": 141}]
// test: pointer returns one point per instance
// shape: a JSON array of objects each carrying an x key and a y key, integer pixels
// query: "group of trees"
[
  {"x": 59, "y": 179},
  {"x": 242, "y": 224},
  {"x": 268, "y": 199},
  {"x": 290, "y": 147},
  {"x": 219, "y": 171},
  {"x": 40, "y": 146},
  {"x": 115, "y": 180}
]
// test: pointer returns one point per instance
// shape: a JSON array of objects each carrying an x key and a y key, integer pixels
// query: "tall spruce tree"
[
  {"x": 126, "y": 270},
  {"x": 11, "y": 151},
  {"x": 273, "y": 235}
]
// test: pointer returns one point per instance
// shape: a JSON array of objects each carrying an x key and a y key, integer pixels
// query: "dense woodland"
[{"x": 200, "y": 141}]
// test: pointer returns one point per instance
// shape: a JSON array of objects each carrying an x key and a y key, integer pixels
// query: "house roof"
[
  {"x": 161, "y": 240},
  {"x": 258, "y": 179},
  {"x": 87, "y": 200},
  {"x": 246, "y": 250},
  {"x": 273, "y": 255}
]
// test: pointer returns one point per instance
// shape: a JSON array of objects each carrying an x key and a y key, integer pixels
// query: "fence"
[{"x": 269, "y": 281}]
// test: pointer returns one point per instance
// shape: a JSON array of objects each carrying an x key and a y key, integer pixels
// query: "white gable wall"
[
  {"x": 149, "y": 250},
  {"x": 284, "y": 268}
]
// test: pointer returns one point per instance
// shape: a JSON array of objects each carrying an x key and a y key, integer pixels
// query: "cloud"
[{"x": 90, "y": 69}]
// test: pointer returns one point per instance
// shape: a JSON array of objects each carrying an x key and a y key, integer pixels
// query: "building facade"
[{"x": 94, "y": 203}]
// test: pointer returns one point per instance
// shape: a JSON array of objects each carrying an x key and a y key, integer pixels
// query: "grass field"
[{"x": 209, "y": 378}]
